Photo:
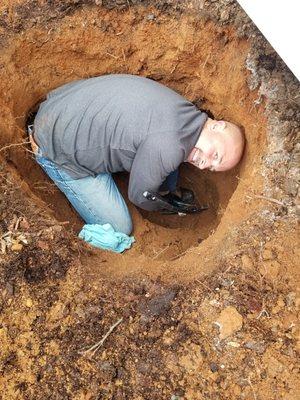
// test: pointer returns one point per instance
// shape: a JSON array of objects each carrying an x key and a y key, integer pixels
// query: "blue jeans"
[
  {"x": 96, "y": 199},
  {"x": 170, "y": 182}
]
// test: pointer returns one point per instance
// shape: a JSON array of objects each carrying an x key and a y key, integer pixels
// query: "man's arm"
[{"x": 155, "y": 159}]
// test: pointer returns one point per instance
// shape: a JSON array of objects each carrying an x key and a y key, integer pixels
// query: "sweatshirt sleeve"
[{"x": 155, "y": 159}]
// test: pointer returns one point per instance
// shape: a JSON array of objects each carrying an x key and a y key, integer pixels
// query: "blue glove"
[{"x": 105, "y": 237}]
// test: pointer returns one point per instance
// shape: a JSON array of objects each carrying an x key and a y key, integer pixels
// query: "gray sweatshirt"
[{"x": 117, "y": 123}]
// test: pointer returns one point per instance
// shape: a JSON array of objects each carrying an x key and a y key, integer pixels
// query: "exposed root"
[{"x": 93, "y": 349}]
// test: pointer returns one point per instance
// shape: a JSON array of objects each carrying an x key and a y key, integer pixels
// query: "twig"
[
  {"x": 13, "y": 145},
  {"x": 31, "y": 152},
  {"x": 205, "y": 62},
  {"x": 178, "y": 255},
  {"x": 49, "y": 224},
  {"x": 203, "y": 284},
  {"x": 60, "y": 223},
  {"x": 263, "y": 312},
  {"x": 175, "y": 66},
  {"x": 257, "y": 196},
  {"x": 93, "y": 349},
  {"x": 160, "y": 252},
  {"x": 6, "y": 234},
  {"x": 228, "y": 269},
  {"x": 50, "y": 188},
  {"x": 124, "y": 56},
  {"x": 111, "y": 55},
  {"x": 252, "y": 388},
  {"x": 8, "y": 182},
  {"x": 17, "y": 223}
]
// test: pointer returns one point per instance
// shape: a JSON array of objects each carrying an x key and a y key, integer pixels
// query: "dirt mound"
[{"x": 186, "y": 277}]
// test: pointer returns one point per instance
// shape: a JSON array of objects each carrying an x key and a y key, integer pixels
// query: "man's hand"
[{"x": 171, "y": 203}]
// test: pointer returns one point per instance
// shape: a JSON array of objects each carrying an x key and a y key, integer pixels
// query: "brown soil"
[{"x": 209, "y": 303}]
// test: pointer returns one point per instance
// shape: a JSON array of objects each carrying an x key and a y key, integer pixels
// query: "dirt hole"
[{"x": 200, "y": 60}]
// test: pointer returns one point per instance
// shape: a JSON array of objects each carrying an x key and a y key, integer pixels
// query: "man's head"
[{"x": 219, "y": 147}]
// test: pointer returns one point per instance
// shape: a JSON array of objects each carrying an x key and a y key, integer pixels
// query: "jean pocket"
[{"x": 53, "y": 171}]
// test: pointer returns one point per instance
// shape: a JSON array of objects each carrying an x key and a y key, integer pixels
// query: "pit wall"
[{"x": 199, "y": 59}]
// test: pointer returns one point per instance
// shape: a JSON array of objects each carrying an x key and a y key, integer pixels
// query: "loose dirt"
[{"x": 209, "y": 304}]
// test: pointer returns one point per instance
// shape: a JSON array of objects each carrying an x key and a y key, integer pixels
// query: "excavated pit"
[
  {"x": 160, "y": 311},
  {"x": 197, "y": 58}
]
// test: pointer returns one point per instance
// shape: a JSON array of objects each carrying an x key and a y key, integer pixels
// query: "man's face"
[
  {"x": 208, "y": 156},
  {"x": 218, "y": 148}
]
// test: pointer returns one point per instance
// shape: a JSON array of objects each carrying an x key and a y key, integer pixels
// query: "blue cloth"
[{"x": 105, "y": 237}]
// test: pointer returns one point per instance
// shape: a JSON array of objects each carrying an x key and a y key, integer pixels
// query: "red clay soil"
[{"x": 207, "y": 306}]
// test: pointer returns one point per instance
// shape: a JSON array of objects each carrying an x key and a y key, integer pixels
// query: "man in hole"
[{"x": 86, "y": 130}]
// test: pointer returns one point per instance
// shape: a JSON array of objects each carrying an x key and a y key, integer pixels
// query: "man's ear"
[{"x": 218, "y": 126}]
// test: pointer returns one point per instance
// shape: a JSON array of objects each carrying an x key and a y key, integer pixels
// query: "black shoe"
[{"x": 185, "y": 195}]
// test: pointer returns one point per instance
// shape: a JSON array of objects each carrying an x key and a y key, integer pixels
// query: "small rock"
[
  {"x": 58, "y": 311},
  {"x": 289, "y": 321},
  {"x": 3, "y": 246},
  {"x": 80, "y": 311},
  {"x": 16, "y": 247},
  {"x": 29, "y": 303},
  {"x": 267, "y": 255},
  {"x": 275, "y": 310},
  {"x": 121, "y": 373},
  {"x": 56, "y": 228},
  {"x": 279, "y": 306},
  {"x": 290, "y": 299},
  {"x": 159, "y": 304},
  {"x": 10, "y": 289},
  {"x": 226, "y": 282},
  {"x": 274, "y": 366},
  {"x": 247, "y": 262},
  {"x": 193, "y": 360},
  {"x": 213, "y": 367},
  {"x": 280, "y": 303},
  {"x": 131, "y": 330},
  {"x": 143, "y": 367},
  {"x": 24, "y": 224},
  {"x": 258, "y": 347},
  {"x": 270, "y": 269},
  {"x": 233, "y": 344},
  {"x": 108, "y": 368},
  {"x": 150, "y": 17},
  {"x": 43, "y": 245},
  {"x": 254, "y": 304},
  {"x": 229, "y": 322},
  {"x": 236, "y": 390},
  {"x": 224, "y": 16}
]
